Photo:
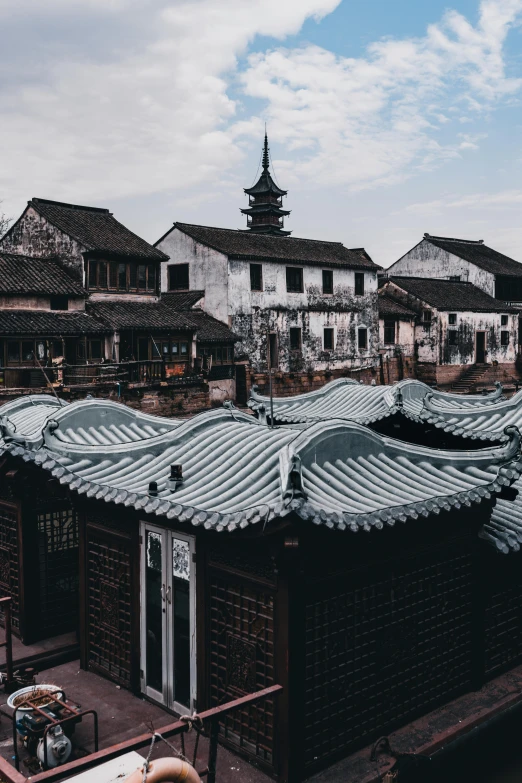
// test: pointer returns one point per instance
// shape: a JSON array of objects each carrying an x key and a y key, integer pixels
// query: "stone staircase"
[{"x": 470, "y": 379}]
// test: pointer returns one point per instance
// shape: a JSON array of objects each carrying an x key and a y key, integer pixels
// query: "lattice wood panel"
[
  {"x": 503, "y": 617},
  {"x": 109, "y": 607},
  {"x": 385, "y": 646},
  {"x": 242, "y": 661},
  {"x": 9, "y": 561},
  {"x": 58, "y": 563}
]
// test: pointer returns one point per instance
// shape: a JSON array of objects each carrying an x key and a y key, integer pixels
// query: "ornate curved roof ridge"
[
  {"x": 237, "y": 472},
  {"x": 349, "y": 399},
  {"x": 475, "y": 422}
]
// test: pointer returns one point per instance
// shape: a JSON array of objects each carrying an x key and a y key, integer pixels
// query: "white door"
[{"x": 168, "y": 622}]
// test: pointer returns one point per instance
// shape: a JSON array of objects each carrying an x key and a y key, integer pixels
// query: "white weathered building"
[
  {"x": 469, "y": 261},
  {"x": 312, "y": 303},
  {"x": 457, "y": 325}
]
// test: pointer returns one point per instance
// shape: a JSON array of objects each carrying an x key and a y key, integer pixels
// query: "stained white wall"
[
  {"x": 426, "y": 260},
  {"x": 405, "y": 335}
]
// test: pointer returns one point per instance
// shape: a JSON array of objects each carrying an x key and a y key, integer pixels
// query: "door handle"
[
  {"x": 163, "y": 593},
  {"x": 169, "y": 596}
]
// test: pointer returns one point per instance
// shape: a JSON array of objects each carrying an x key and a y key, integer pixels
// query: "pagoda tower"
[{"x": 264, "y": 211}]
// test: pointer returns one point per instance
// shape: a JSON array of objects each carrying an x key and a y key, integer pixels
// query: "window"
[
  {"x": 142, "y": 276},
  {"x": 389, "y": 332},
  {"x": 426, "y": 317},
  {"x": 362, "y": 339},
  {"x": 102, "y": 274},
  {"x": 503, "y": 320},
  {"x": 359, "y": 283},
  {"x": 295, "y": 339},
  {"x": 327, "y": 281},
  {"x": 95, "y": 350},
  {"x": 179, "y": 277},
  {"x": 121, "y": 276},
  {"x": 25, "y": 352},
  {"x": 455, "y": 278},
  {"x": 221, "y": 354},
  {"x": 59, "y": 302},
  {"x": 294, "y": 280},
  {"x": 256, "y": 277},
  {"x": 93, "y": 268},
  {"x": 452, "y": 336},
  {"x": 328, "y": 339},
  {"x": 452, "y": 319},
  {"x": 504, "y": 338}
]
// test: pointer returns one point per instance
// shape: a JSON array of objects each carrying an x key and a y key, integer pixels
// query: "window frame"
[
  {"x": 504, "y": 319},
  {"x": 359, "y": 284},
  {"x": 295, "y": 331},
  {"x": 452, "y": 319},
  {"x": 327, "y": 289},
  {"x": 298, "y": 271},
  {"x": 362, "y": 345},
  {"x": 176, "y": 267},
  {"x": 504, "y": 338},
  {"x": 121, "y": 276},
  {"x": 453, "y": 337},
  {"x": 256, "y": 269},
  {"x": 390, "y": 324},
  {"x": 331, "y": 332}
]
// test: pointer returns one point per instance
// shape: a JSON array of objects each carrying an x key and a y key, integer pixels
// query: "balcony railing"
[{"x": 148, "y": 372}]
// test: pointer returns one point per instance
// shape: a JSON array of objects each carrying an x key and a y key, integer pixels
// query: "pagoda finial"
[{"x": 266, "y": 161}]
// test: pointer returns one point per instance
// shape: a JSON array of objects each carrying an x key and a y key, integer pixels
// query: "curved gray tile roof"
[
  {"x": 238, "y": 472},
  {"x": 346, "y": 398},
  {"x": 476, "y": 422},
  {"x": 26, "y": 417},
  {"x": 504, "y": 528}
]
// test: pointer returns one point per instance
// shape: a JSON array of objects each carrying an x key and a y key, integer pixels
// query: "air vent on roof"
[
  {"x": 153, "y": 489},
  {"x": 176, "y": 477}
]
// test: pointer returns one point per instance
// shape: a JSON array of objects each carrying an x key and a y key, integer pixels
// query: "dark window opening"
[
  {"x": 504, "y": 338},
  {"x": 452, "y": 319},
  {"x": 452, "y": 337},
  {"x": 294, "y": 280},
  {"x": 59, "y": 302},
  {"x": 26, "y": 352},
  {"x": 273, "y": 349},
  {"x": 508, "y": 288},
  {"x": 142, "y": 276},
  {"x": 102, "y": 274},
  {"x": 362, "y": 339},
  {"x": 359, "y": 283},
  {"x": 503, "y": 320},
  {"x": 95, "y": 350},
  {"x": 121, "y": 276},
  {"x": 295, "y": 339},
  {"x": 151, "y": 278},
  {"x": 93, "y": 268},
  {"x": 221, "y": 354},
  {"x": 328, "y": 339},
  {"x": 426, "y": 317},
  {"x": 327, "y": 281},
  {"x": 455, "y": 278},
  {"x": 133, "y": 277},
  {"x": 113, "y": 275},
  {"x": 389, "y": 332},
  {"x": 256, "y": 277},
  {"x": 179, "y": 277}
]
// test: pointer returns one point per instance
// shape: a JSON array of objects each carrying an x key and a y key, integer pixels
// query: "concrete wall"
[
  {"x": 426, "y": 260},
  {"x": 208, "y": 271},
  {"x": 221, "y": 391},
  {"x": 33, "y": 235}
]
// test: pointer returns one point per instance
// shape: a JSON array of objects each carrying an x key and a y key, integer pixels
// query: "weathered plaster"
[
  {"x": 37, "y": 303},
  {"x": 404, "y": 336},
  {"x": 33, "y": 235},
  {"x": 427, "y": 260}
]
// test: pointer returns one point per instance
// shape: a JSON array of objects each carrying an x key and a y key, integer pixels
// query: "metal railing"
[{"x": 210, "y": 717}]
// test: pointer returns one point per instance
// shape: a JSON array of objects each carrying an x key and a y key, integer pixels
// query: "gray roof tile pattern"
[
  {"x": 27, "y": 275},
  {"x": 27, "y": 416},
  {"x": 243, "y": 244},
  {"x": 504, "y": 528},
  {"x": 388, "y": 307},
  {"x": 238, "y": 472},
  {"x": 49, "y": 322},
  {"x": 475, "y": 423},
  {"x": 450, "y": 295},
  {"x": 96, "y": 229},
  {"x": 182, "y": 300},
  {"x": 210, "y": 330},
  {"x": 345, "y": 398},
  {"x": 479, "y": 254}
]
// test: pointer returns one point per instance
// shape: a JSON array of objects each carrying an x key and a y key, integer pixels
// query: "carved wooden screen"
[
  {"x": 58, "y": 565},
  {"x": 503, "y": 615},
  {"x": 109, "y": 606},
  {"x": 382, "y": 646},
  {"x": 9, "y": 562},
  {"x": 242, "y": 660}
]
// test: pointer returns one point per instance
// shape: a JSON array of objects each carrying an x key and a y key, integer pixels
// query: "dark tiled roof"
[
  {"x": 388, "y": 306},
  {"x": 96, "y": 229},
  {"x": 476, "y": 252},
  {"x": 210, "y": 329},
  {"x": 141, "y": 315},
  {"x": 450, "y": 294},
  {"x": 243, "y": 244},
  {"x": 48, "y": 322},
  {"x": 27, "y": 275},
  {"x": 182, "y": 300}
]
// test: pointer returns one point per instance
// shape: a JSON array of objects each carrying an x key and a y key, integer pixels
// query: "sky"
[{"x": 386, "y": 119}]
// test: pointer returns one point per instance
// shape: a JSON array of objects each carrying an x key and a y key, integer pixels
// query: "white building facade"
[{"x": 307, "y": 304}]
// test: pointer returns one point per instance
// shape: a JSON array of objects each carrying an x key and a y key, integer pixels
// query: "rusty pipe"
[{"x": 167, "y": 769}]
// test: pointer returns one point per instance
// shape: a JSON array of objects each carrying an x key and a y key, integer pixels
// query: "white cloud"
[
  {"x": 475, "y": 201},
  {"x": 375, "y": 119},
  {"x": 143, "y": 120}
]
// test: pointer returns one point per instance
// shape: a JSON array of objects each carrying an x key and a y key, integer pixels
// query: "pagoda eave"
[{"x": 265, "y": 209}]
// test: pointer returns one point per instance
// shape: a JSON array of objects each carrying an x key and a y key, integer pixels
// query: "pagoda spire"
[{"x": 265, "y": 214}]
